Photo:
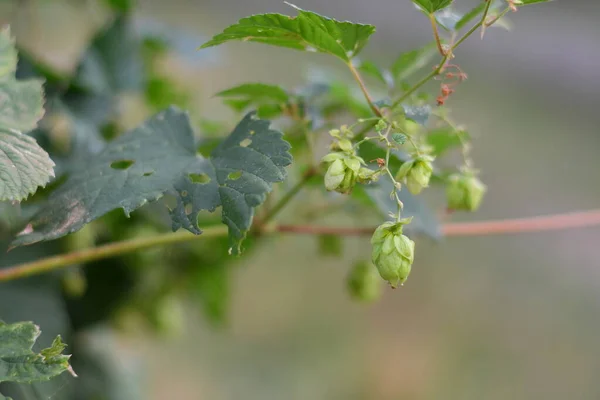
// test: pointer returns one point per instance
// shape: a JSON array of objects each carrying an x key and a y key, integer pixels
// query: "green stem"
[
  {"x": 436, "y": 34},
  {"x": 287, "y": 197},
  {"x": 484, "y": 16},
  {"x": 422, "y": 82},
  {"x": 444, "y": 60},
  {"x": 109, "y": 250},
  {"x": 364, "y": 89}
]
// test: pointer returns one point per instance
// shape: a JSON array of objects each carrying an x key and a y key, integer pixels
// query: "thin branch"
[
  {"x": 573, "y": 220},
  {"x": 105, "y": 251},
  {"x": 436, "y": 34},
  {"x": 364, "y": 89}
]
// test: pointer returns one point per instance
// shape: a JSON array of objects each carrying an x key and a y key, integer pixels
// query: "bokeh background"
[{"x": 494, "y": 317}]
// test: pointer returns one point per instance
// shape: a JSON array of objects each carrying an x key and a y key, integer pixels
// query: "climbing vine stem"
[{"x": 555, "y": 222}]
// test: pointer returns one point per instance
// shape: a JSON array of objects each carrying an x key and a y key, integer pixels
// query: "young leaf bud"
[
  {"x": 416, "y": 173},
  {"x": 364, "y": 283},
  {"x": 393, "y": 253},
  {"x": 464, "y": 192}
]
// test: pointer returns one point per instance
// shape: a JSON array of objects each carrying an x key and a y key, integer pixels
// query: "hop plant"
[
  {"x": 464, "y": 192},
  {"x": 393, "y": 252},
  {"x": 344, "y": 167},
  {"x": 416, "y": 173},
  {"x": 364, "y": 283}
]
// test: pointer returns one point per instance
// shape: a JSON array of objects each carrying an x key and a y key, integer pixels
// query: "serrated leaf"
[
  {"x": 21, "y": 104},
  {"x": 113, "y": 62},
  {"x": 257, "y": 93},
  {"x": 244, "y": 166},
  {"x": 308, "y": 31},
  {"x": 24, "y": 165},
  {"x": 18, "y": 363},
  {"x": 431, "y": 6},
  {"x": 160, "y": 157},
  {"x": 444, "y": 139},
  {"x": 409, "y": 62}
]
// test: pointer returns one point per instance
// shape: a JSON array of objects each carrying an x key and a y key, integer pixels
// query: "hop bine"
[
  {"x": 464, "y": 192},
  {"x": 393, "y": 253}
]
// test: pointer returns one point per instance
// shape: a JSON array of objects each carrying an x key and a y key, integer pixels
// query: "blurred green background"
[{"x": 494, "y": 317}]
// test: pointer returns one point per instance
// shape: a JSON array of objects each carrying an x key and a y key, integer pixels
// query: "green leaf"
[
  {"x": 307, "y": 31},
  {"x": 160, "y": 157},
  {"x": 257, "y": 93},
  {"x": 431, "y": 6},
  {"x": 123, "y": 6},
  {"x": 18, "y": 363},
  {"x": 470, "y": 16},
  {"x": 24, "y": 165},
  {"x": 408, "y": 63},
  {"x": 444, "y": 139},
  {"x": 370, "y": 68},
  {"x": 267, "y": 99},
  {"x": 113, "y": 63}
]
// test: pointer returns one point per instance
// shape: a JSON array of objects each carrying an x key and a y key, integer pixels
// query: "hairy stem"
[
  {"x": 364, "y": 89},
  {"x": 436, "y": 34},
  {"x": 572, "y": 220}
]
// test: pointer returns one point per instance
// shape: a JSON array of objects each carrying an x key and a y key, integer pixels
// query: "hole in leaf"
[
  {"x": 234, "y": 176},
  {"x": 199, "y": 178},
  {"x": 246, "y": 142},
  {"x": 252, "y": 132},
  {"x": 149, "y": 173},
  {"x": 122, "y": 164},
  {"x": 188, "y": 209}
]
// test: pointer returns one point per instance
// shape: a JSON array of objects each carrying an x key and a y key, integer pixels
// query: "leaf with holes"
[
  {"x": 307, "y": 31},
  {"x": 160, "y": 157},
  {"x": 24, "y": 165},
  {"x": 18, "y": 363}
]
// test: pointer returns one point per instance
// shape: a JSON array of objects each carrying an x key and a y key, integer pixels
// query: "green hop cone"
[
  {"x": 393, "y": 253},
  {"x": 364, "y": 283},
  {"x": 343, "y": 171},
  {"x": 416, "y": 173},
  {"x": 464, "y": 192}
]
